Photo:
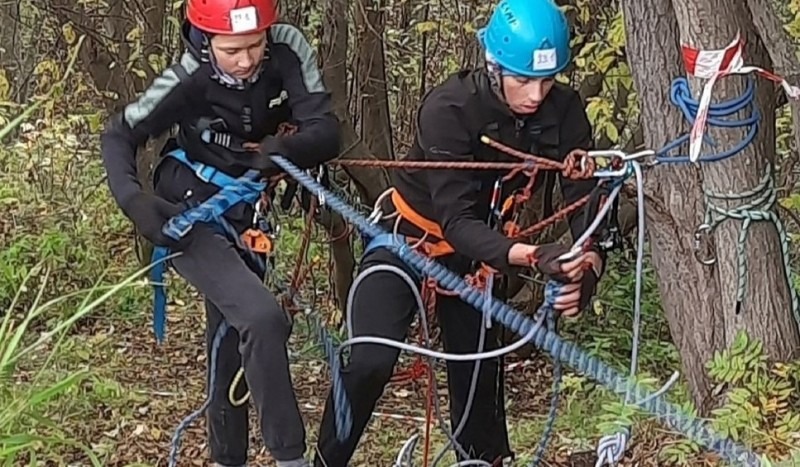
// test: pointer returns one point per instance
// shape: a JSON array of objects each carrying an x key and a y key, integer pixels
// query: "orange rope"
[{"x": 405, "y": 164}]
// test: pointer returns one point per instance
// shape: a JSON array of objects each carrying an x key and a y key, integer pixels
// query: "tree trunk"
[
  {"x": 699, "y": 300},
  {"x": 369, "y": 181},
  {"x": 688, "y": 289},
  {"x": 765, "y": 311},
  {"x": 783, "y": 55},
  {"x": 376, "y": 128}
]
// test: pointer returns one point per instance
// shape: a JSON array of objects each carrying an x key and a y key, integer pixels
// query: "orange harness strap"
[
  {"x": 440, "y": 248},
  {"x": 405, "y": 211}
]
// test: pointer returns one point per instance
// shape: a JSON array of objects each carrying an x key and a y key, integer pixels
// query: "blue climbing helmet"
[{"x": 527, "y": 38}]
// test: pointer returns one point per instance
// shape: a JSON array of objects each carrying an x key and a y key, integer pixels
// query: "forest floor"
[{"x": 141, "y": 391}]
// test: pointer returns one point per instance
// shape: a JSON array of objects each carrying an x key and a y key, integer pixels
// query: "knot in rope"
[
  {"x": 611, "y": 448},
  {"x": 578, "y": 165},
  {"x": 759, "y": 208}
]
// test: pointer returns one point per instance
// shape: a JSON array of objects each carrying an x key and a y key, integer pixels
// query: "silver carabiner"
[
  {"x": 639, "y": 155},
  {"x": 609, "y": 154},
  {"x": 320, "y": 194},
  {"x": 698, "y": 235}
]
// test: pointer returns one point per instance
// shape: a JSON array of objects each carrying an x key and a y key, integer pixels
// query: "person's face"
[
  {"x": 239, "y": 55},
  {"x": 525, "y": 95}
]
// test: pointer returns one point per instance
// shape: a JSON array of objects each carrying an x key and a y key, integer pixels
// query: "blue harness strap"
[
  {"x": 384, "y": 240},
  {"x": 246, "y": 188}
]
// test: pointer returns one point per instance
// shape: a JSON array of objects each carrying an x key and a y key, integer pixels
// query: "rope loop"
[{"x": 578, "y": 165}]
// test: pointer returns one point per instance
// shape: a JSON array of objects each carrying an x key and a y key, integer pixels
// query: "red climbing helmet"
[{"x": 231, "y": 16}]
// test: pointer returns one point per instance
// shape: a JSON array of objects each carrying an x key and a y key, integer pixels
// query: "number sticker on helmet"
[
  {"x": 545, "y": 59},
  {"x": 244, "y": 19}
]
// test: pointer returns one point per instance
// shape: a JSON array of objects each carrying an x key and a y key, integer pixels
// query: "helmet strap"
[
  {"x": 495, "y": 73},
  {"x": 202, "y": 40}
]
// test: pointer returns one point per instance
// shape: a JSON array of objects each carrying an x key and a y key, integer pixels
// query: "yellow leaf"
[
  {"x": 426, "y": 26},
  {"x": 597, "y": 307},
  {"x": 612, "y": 132},
  {"x": 69, "y": 33},
  {"x": 133, "y": 34},
  {"x": 5, "y": 86},
  {"x": 156, "y": 62},
  {"x": 139, "y": 72}
]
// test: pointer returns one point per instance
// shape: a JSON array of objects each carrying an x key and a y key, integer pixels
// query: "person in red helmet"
[{"x": 243, "y": 75}]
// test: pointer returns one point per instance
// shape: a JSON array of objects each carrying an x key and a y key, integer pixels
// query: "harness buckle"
[{"x": 201, "y": 170}]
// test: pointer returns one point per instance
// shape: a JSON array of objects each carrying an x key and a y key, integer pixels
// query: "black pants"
[
  {"x": 385, "y": 306},
  {"x": 260, "y": 328}
]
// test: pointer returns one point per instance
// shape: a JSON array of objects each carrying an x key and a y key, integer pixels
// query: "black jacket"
[
  {"x": 451, "y": 120},
  {"x": 289, "y": 87}
]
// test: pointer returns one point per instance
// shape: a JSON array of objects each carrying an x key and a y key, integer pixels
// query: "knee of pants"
[
  {"x": 263, "y": 318},
  {"x": 372, "y": 364}
]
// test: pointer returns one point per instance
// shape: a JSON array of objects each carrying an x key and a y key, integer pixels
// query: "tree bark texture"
[
  {"x": 689, "y": 290},
  {"x": 765, "y": 311},
  {"x": 783, "y": 55},
  {"x": 373, "y": 99},
  {"x": 698, "y": 300},
  {"x": 370, "y": 182}
]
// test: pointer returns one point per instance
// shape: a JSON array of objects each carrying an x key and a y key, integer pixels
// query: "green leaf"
[{"x": 612, "y": 132}]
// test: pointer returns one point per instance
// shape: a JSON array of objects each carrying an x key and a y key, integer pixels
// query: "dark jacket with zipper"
[
  {"x": 188, "y": 94},
  {"x": 452, "y": 118}
]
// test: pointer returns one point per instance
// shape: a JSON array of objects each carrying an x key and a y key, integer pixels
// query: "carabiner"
[
  {"x": 698, "y": 234},
  {"x": 320, "y": 194},
  {"x": 639, "y": 155}
]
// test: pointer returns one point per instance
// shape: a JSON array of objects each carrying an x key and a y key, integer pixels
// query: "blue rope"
[
  {"x": 551, "y": 292},
  {"x": 515, "y": 321},
  {"x": 222, "y": 329},
  {"x": 681, "y": 96}
]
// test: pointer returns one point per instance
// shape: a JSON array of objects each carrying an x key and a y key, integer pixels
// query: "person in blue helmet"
[{"x": 514, "y": 99}]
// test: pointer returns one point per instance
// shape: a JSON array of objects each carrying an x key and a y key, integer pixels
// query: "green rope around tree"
[{"x": 759, "y": 208}]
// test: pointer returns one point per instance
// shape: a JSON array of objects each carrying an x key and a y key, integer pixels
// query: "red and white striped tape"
[{"x": 715, "y": 64}]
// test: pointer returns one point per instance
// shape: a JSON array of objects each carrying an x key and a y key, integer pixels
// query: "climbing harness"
[
  {"x": 432, "y": 244},
  {"x": 232, "y": 191},
  {"x": 611, "y": 448},
  {"x": 247, "y": 188},
  {"x": 612, "y": 168}
]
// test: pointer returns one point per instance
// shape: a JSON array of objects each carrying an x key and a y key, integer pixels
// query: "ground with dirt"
[{"x": 143, "y": 391}]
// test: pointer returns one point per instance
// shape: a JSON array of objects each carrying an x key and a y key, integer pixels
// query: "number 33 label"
[
  {"x": 244, "y": 19},
  {"x": 544, "y": 59}
]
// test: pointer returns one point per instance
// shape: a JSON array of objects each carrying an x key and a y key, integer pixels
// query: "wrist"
[
  {"x": 596, "y": 262},
  {"x": 521, "y": 254}
]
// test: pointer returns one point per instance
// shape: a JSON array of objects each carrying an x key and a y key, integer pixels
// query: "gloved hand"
[
  {"x": 545, "y": 259},
  {"x": 149, "y": 213},
  {"x": 575, "y": 297},
  {"x": 271, "y": 146},
  {"x": 588, "y": 288}
]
